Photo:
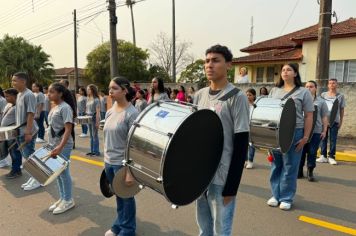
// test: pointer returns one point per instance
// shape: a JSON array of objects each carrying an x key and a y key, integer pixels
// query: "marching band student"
[
  {"x": 103, "y": 105},
  {"x": 93, "y": 109},
  {"x": 40, "y": 114},
  {"x": 251, "y": 96},
  {"x": 141, "y": 103},
  {"x": 25, "y": 113},
  {"x": 81, "y": 105},
  {"x": 157, "y": 91},
  {"x": 119, "y": 118},
  {"x": 8, "y": 118},
  {"x": 319, "y": 133},
  {"x": 215, "y": 208},
  {"x": 61, "y": 122},
  {"x": 284, "y": 169},
  {"x": 47, "y": 105}
]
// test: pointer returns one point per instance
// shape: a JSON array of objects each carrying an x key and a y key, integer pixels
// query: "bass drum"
[
  {"x": 175, "y": 150},
  {"x": 273, "y": 123}
]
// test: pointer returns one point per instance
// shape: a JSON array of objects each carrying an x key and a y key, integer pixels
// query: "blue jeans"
[
  {"x": 309, "y": 151},
  {"x": 64, "y": 180},
  {"x": 16, "y": 154},
  {"x": 94, "y": 137},
  {"x": 332, "y": 132},
  {"x": 212, "y": 216},
  {"x": 102, "y": 115},
  {"x": 284, "y": 171},
  {"x": 251, "y": 152},
  {"x": 41, "y": 129},
  {"x": 125, "y": 223},
  {"x": 84, "y": 126}
]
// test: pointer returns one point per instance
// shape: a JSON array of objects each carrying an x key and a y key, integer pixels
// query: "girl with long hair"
[{"x": 93, "y": 109}]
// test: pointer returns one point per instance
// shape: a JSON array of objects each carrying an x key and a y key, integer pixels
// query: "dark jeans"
[
  {"x": 46, "y": 117},
  {"x": 309, "y": 152},
  {"x": 102, "y": 115},
  {"x": 94, "y": 137},
  {"x": 332, "y": 133},
  {"x": 84, "y": 126},
  {"x": 41, "y": 128},
  {"x": 16, "y": 155},
  {"x": 125, "y": 223},
  {"x": 251, "y": 153}
]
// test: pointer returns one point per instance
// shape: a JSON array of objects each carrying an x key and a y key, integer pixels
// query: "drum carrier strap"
[
  {"x": 60, "y": 133},
  {"x": 229, "y": 95},
  {"x": 290, "y": 93}
]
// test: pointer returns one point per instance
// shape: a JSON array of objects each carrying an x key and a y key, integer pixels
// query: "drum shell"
[
  {"x": 45, "y": 172},
  {"x": 266, "y": 129},
  {"x": 81, "y": 120},
  {"x": 8, "y": 133}
]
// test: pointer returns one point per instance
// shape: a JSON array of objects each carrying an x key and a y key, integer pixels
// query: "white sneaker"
[
  {"x": 272, "y": 202},
  {"x": 322, "y": 159},
  {"x": 83, "y": 135},
  {"x": 39, "y": 140},
  {"x": 332, "y": 161},
  {"x": 54, "y": 205},
  {"x": 25, "y": 184},
  {"x": 109, "y": 233},
  {"x": 32, "y": 185},
  {"x": 285, "y": 206},
  {"x": 249, "y": 165},
  {"x": 64, "y": 206},
  {"x": 4, "y": 163}
]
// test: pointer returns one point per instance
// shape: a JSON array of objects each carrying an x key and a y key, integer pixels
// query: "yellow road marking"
[
  {"x": 328, "y": 225},
  {"x": 92, "y": 162}
]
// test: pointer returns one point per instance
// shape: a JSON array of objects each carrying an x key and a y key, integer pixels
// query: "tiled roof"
[
  {"x": 272, "y": 55},
  {"x": 67, "y": 70},
  {"x": 345, "y": 28}
]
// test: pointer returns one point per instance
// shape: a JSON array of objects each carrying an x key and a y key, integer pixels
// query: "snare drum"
[
  {"x": 81, "y": 120},
  {"x": 9, "y": 133},
  {"x": 175, "y": 150},
  {"x": 44, "y": 168},
  {"x": 273, "y": 123}
]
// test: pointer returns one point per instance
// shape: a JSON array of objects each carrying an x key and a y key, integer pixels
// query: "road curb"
[{"x": 345, "y": 156}]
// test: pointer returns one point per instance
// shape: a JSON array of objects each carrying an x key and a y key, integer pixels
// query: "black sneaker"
[
  {"x": 89, "y": 154},
  {"x": 13, "y": 174}
]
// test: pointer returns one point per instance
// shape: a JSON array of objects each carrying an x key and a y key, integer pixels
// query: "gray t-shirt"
[
  {"x": 57, "y": 118},
  {"x": 25, "y": 103},
  {"x": 47, "y": 103},
  {"x": 9, "y": 115},
  {"x": 140, "y": 105},
  {"x": 40, "y": 99},
  {"x": 322, "y": 112},
  {"x": 302, "y": 98},
  {"x": 103, "y": 102},
  {"x": 158, "y": 97},
  {"x": 330, "y": 100},
  {"x": 92, "y": 105},
  {"x": 2, "y": 106},
  {"x": 116, "y": 129},
  {"x": 234, "y": 115},
  {"x": 81, "y": 104}
]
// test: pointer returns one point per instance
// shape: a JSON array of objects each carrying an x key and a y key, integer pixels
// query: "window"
[
  {"x": 270, "y": 74},
  {"x": 343, "y": 71},
  {"x": 259, "y": 74}
]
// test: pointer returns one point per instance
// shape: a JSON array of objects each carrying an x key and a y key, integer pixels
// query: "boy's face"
[
  {"x": 18, "y": 83},
  {"x": 332, "y": 84},
  {"x": 216, "y": 67}
]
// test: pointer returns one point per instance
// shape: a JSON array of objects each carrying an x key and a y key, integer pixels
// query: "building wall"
[{"x": 340, "y": 49}]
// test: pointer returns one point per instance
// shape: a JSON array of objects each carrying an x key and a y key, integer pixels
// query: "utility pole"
[
  {"x": 76, "y": 76},
  {"x": 251, "y": 31},
  {"x": 323, "y": 53},
  {"x": 130, "y": 4},
  {"x": 114, "y": 60},
  {"x": 173, "y": 41}
]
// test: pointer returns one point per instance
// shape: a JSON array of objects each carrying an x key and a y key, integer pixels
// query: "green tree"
[
  {"x": 17, "y": 54},
  {"x": 158, "y": 71},
  {"x": 193, "y": 73},
  {"x": 132, "y": 63}
]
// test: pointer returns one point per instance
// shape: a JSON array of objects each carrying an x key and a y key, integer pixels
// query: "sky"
[{"x": 201, "y": 22}]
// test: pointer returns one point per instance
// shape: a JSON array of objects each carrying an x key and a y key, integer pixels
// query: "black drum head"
[
  {"x": 333, "y": 112},
  {"x": 193, "y": 157},
  {"x": 287, "y": 125},
  {"x": 105, "y": 186}
]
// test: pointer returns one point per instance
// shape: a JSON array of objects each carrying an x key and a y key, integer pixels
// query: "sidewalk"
[{"x": 346, "y": 149}]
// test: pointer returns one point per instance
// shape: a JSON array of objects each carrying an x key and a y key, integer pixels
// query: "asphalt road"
[{"x": 331, "y": 199}]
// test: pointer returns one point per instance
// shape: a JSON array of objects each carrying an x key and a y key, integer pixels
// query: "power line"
[{"x": 290, "y": 16}]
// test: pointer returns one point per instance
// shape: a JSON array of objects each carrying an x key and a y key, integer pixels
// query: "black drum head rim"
[
  {"x": 287, "y": 126},
  {"x": 120, "y": 188},
  {"x": 192, "y": 159},
  {"x": 105, "y": 186}
]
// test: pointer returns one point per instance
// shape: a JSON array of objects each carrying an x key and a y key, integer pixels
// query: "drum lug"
[
  {"x": 141, "y": 186},
  {"x": 137, "y": 124},
  {"x": 159, "y": 179},
  {"x": 175, "y": 207},
  {"x": 169, "y": 135}
]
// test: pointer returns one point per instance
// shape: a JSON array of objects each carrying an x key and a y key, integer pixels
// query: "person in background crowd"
[
  {"x": 319, "y": 132},
  {"x": 93, "y": 110},
  {"x": 141, "y": 103},
  {"x": 181, "y": 94},
  {"x": 8, "y": 118},
  {"x": 47, "y": 105},
  {"x": 285, "y": 166},
  {"x": 147, "y": 94},
  {"x": 174, "y": 94},
  {"x": 243, "y": 78},
  {"x": 103, "y": 104},
  {"x": 251, "y": 96},
  {"x": 330, "y": 96},
  {"x": 158, "y": 92},
  {"x": 2, "y": 103},
  {"x": 190, "y": 99},
  {"x": 81, "y": 106},
  {"x": 40, "y": 114},
  {"x": 136, "y": 86},
  {"x": 191, "y": 92},
  {"x": 263, "y": 91}
]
